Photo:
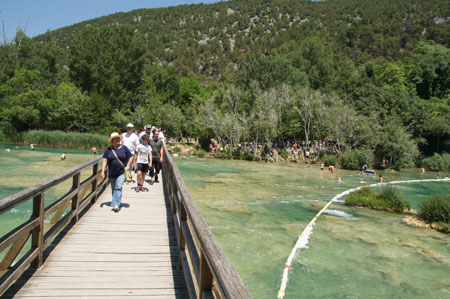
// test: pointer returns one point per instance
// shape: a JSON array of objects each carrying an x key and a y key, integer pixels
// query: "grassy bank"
[
  {"x": 436, "y": 209},
  {"x": 386, "y": 199},
  {"x": 65, "y": 140}
]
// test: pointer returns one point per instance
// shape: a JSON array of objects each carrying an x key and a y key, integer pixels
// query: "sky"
[{"x": 41, "y": 15}]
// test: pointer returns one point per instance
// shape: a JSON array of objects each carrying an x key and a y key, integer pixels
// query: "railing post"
[
  {"x": 75, "y": 198},
  {"x": 206, "y": 277},
  {"x": 182, "y": 218},
  {"x": 95, "y": 182},
  {"x": 37, "y": 237}
]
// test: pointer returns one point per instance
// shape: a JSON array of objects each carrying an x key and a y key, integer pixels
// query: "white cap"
[{"x": 130, "y": 125}]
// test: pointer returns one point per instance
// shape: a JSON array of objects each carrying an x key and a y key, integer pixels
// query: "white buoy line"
[{"x": 304, "y": 236}]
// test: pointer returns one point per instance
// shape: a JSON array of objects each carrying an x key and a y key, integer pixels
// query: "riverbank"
[{"x": 413, "y": 220}]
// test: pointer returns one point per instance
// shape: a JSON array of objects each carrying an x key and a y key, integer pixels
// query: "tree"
[
  {"x": 109, "y": 60},
  {"x": 430, "y": 70},
  {"x": 397, "y": 145},
  {"x": 69, "y": 109},
  {"x": 306, "y": 102},
  {"x": 315, "y": 59},
  {"x": 268, "y": 71}
]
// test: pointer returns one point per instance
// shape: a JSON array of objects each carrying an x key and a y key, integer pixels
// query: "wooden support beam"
[
  {"x": 206, "y": 278},
  {"x": 95, "y": 182},
  {"x": 76, "y": 198},
  {"x": 37, "y": 239},
  {"x": 13, "y": 252},
  {"x": 59, "y": 213}
]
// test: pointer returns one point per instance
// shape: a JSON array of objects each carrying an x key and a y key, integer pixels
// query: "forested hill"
[
  {"x": 213, "y": 41},
  {"x": 369, "y": 76}
]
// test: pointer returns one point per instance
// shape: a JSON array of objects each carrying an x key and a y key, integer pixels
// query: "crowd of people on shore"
[
  {"x": 307, "y": 152},
  {"x": 133, "y": 150}
]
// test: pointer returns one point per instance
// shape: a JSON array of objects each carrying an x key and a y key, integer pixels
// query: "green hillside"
[
  {"x": 370, "y": 75},
  {"x": 214, "y": 40}
]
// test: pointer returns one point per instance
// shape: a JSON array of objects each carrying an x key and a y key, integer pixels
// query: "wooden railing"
[
  {"x": 207, "y": 270},
  {"x": 41, "y": 230}
]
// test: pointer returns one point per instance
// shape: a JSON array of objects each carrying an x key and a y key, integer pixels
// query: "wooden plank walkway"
[{"x": 129, "y": 253}]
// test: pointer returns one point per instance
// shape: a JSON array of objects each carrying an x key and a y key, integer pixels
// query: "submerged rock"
[{"x": 414, "y": 221}]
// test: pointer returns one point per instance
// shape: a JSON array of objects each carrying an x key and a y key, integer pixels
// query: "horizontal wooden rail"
[
  {"x": 41, "y": 231},
  {"x": 208, "y": 271}
]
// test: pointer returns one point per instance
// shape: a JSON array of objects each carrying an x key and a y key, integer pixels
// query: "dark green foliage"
[
  {"x": 354, "y": 160},
  {"x": 387, "y": 199},
  {"x": 267, "y": 71},
  {"x": 177, "y": 149},
  {"x": 200, "y": 153},
  {"x": 219, "y": 39},
  {"x": 437, "y": 162},
  {"x": 329, "y": 160},
  {"x": 284, "y": 154},
  {"x": 391, "y": 196},
  {"x": 430, "y": 70},
  {"x": 349, "y": 160},
  {"x": 109, "y": 60},
  {"x": 435, "y": 209},
  {"x": 250, "y": 157}
]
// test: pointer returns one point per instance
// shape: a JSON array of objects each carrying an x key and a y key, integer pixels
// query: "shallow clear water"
[
  {"x": 21, "y": 168},
  {"x": 257, "y": 211}
]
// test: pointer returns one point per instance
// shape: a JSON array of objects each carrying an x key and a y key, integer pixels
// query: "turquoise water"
[
  {"x": 257, "y": 211},
  {"x": 21, "y": 168}
]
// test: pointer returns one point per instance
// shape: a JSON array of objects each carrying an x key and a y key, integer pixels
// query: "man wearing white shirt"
[{"x": 130, "y": 139}]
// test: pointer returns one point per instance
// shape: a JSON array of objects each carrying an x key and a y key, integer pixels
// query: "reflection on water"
[{"x": 257, "y": 211}]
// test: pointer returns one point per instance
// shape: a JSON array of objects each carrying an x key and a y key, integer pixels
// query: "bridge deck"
[{"x": 107, "y": 254}]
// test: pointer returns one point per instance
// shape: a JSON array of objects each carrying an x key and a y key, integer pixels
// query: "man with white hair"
[{"x": 130, "y": 139}]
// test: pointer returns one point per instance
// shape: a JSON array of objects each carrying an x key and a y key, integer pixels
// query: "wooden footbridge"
[{"x": 157, "y": 246}]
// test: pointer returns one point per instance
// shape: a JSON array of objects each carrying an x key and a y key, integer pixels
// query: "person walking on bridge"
[
  {"x": 130, "y": 139},
  {"x": 142, "y": 161},
  {"x": 157, "y": 156},
  {"x": 117, "y": 157}
]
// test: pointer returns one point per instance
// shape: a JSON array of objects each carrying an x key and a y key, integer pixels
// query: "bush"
[
  {"x": 224, "y": 155},
  {"x": 435, "y": 209},
  {"x": 392, "y": 197},
  {"x": 250, "y": 157},
  {"x": 354, "y": 160},
  {"x": 66, "y": 140},
  {"x": 200, "y": 153},
  {"x": 238, "y": 154},
  {"x": 387, "y": 199},
  {"x": 349, "y": 160},
  {"x": 360, "y": 197},
  {"x": 329, "y": 160},
  {"x": 437, "y": 162},
  {"x": 177, "y": 149},
  {"x": 284, "y": 154}
]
